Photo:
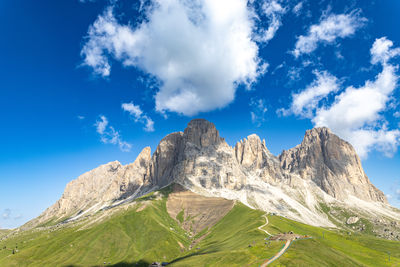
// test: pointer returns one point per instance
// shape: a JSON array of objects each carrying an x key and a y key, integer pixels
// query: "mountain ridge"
[{"x": 293, "y": 184}]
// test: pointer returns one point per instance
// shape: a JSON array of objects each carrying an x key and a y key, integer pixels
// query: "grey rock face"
[
  {"x": 352, "y": 220},
  {"x": 202, "y": 133},
  {"x": 202, "y": 161},
  {"x": 165, "y": 158},
  {"x": 106, "y": 183},
  {"x": 253, "y": 155},
  {"x": 206, "y": 160},
  {"x": 332, "y": 164}
]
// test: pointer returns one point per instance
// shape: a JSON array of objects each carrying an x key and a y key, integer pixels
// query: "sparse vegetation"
[{"x": 180, "y": 216}]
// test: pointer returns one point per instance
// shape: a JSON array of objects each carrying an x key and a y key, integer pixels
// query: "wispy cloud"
[
  {"x": 6, "y": 214},
  {"x": 138, "y": 116},
  {"x": 356, "y": 114},
  {"x": 108, "y": 135},
  {"x": 80, "y": 117},
  {"x": 297, "y": 8},
  {"x": 272, "y": 11},
  {"x": 101, "y": 125},
  {"x": 305, "y": 102},
  {"x": 327, "y": 31},
  {"x": 294, "y": 73},
  {"x": 259, "y": 110}
]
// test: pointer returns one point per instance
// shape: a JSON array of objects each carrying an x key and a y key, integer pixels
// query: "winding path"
[
  {"x": 285, "y": 247},
  {"x": 277, "y": 255},
  {"x": 266, "y": 222}
]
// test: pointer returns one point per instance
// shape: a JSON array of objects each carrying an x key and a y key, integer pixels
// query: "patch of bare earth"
[
  {"x": 143, "y": 206},
  {"x": 199, "y": 212}
]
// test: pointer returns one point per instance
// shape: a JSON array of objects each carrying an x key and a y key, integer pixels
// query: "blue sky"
[{"x": 83, "y": 83}]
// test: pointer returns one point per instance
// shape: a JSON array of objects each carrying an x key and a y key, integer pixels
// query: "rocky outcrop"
[
  {"x": 206, "y": 160},
  {"x": 93, "y": 189},
  {"x": 164, "y": 159},
  {"x": 202, "y": 134},
  {"x": 332, "y": 164},
  {"x": 322, "y": 168},
  {"x": 352, "y": 220},
  {"x": 253, "y": 155}
]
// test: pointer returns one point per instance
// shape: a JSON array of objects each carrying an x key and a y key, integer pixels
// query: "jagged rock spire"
[{"x": 202, "y": 161}]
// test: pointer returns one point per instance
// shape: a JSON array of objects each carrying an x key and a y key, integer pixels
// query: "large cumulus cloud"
[{"x": 200, "y": 51}]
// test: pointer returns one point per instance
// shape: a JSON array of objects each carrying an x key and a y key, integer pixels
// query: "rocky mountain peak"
[
  {"x": 317, "y": 134},
  {"x": 332, "y": 164},
  {"x": 200, "y": 160},
  {"x": 251, "y": 151},
  {"x": 202, "y": 133}
]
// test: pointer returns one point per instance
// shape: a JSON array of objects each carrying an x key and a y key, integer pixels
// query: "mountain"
[
  {"x": 332, "y": 164},
  {"x": 198, "y": 201},
  {"x": 98, "y": 188},
  {"x": 323, "y": 170},
  {"x": 183, "y": 228}
]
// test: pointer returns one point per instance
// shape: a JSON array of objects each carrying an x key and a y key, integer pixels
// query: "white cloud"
[
  {"x": 108, "y": 135},
  {"x": 339, "y": 55},
  {"x": 273, "y": 12},
  {"x": 356, "y": 114},
  {"x": 101, "y": 125},
  {"x": 305, "y": 102},
  {"x": 200, "y": 52},
  {"x": 258, "y": 112},
  {"x": 88, "y": 1},
  {"x": 6, "y": 214},
  {"x": 280, "y": 66},
  {"x": 297, "y": 8},
  {"x": 327, "y": 31},
  {"x": 396, "y": 114},
  {"x": 80, "y": 117},
  {"x": 138, "y": 116},
  {"x": 294, "y": 73},
  {"x": 382, "y": 52}
]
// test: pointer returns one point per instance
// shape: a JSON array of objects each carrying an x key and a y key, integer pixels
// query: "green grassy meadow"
[
  {"x": 3, "y": 232},
  {"x": 137, "y": 238}
]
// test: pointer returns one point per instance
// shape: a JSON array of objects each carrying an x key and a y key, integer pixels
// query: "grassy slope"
[
  {"x": 333, "y": 248},
  {"x": 145, "y": 236},
  {"x": 4, "y": 232},
  {"x": 128, "y": 236},
  {"x": 226, "y": 245}
]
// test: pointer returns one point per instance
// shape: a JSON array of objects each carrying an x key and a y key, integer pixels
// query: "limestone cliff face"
[
  {"x": 202, "y": 134},
  {"x": 206, "y": 160},
  {"x": 253, "y": 155},
  {"x": 164, "y": 159},
  {"x": 199, "y": 159},
  {"x": 332, "y": 164},
  {"x": 99, "y": 186}
]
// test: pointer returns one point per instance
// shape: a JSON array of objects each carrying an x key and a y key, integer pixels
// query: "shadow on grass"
[
  {"x": 191, "y": 255},
  {"x": 140, "y": 263}
]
